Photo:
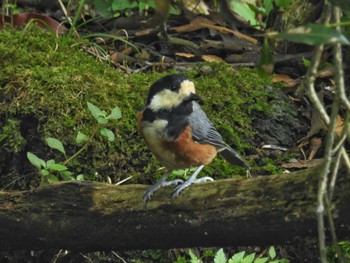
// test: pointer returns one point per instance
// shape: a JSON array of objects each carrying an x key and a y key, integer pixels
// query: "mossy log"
[{"x": 278, "y": 209}]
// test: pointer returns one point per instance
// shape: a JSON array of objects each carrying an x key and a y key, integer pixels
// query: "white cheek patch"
[
  {"x": 167, "y": 99},
  {"x": 187, "y": 87}
]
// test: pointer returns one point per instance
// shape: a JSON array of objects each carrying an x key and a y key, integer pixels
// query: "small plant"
[
  {"x": 50, "y": 170},
  {"x": 240, "y": 257}
]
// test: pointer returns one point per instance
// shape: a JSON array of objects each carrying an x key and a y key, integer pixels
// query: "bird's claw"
[
  {"x": 148, "y": 194},
  {"x": 178, "y": 189}
]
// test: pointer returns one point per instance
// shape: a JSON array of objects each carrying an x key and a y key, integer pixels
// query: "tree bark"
[{"x": 277, "y": 209}]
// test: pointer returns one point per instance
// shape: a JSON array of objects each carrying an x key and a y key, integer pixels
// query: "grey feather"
[{"x": 203, "y": 131}]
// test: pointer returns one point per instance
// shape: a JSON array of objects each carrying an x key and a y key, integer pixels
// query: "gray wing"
[{"x": 203, "y": 131}]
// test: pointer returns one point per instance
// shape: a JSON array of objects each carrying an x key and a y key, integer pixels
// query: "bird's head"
[{"x": 171, "y": 91}]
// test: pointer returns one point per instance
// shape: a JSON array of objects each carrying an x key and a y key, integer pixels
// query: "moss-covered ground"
[{"x": 46, "y": 82}]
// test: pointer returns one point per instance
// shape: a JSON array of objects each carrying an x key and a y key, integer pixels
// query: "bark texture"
[{"x": 277, "y": 209}]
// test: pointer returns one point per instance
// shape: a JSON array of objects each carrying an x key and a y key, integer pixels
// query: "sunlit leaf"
[
  {"x": 55, "y": 144},
  {"x": 81, "y": 138},
  {"x": 52, "y": 178},
  {"x": 272, "y": 252},
  {"x": 115, "y": 114},
  {"x": 236, "y": 258},
  {"x": 57, "y": 167},
  {"x": 248, "y": 259},
  {"x": 261, "y": 260},
  {"x": 44, "y": 172},
  {"x": 108, "y": 133},
  {"x": 80, "y": 177},
  {"x": 35, "y": 160},
  {"x": 67, "y": 175},
  {"x": 220, "y": 256},
  {"x": 95, "y": 111},
  {"x": 194, "y": 258},
  {"x": 245, "y": 12}
]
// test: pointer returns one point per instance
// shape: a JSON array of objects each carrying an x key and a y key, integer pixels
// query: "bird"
[{"x": 178, "y": 132}]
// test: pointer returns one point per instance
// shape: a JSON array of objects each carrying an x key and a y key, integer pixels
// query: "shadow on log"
[{"x": 278, "y": 209}]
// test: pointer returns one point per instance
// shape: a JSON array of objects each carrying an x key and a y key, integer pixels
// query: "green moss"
[
  {"x": 11, "y": 139},
  {"x": 45, "y": 85}
]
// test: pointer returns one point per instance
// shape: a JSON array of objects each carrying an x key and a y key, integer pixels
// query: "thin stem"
[{"x": 82, "y": 148}]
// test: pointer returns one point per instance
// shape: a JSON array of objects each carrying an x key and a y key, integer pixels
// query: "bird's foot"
[
  {"x": 192, "y": 180},
  {"x": 161, "y": 183}
]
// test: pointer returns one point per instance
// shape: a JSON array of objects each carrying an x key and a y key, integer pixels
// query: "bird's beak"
[{"x": 195, "y": 97}]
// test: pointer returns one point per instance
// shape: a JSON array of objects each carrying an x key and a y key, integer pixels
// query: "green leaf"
[
  {"x": 57, "y": 167},
  {"x": 35, "y": 160},
  {"x": 52, "y": 179},
  {"x": 272, "y": 252},
  {"x": 236, "y": 258},
  {"x": 245, "y": 11},
  {"x": 108, "y": 133},
  {"x": 306, "y": 62},
  {"x": 261, "y": 260},
  {"x": 96, "y": 112},
  {"x": 314, "y": 34},
  {"x": 249, "y": 258},
  {"x": 67, "y": 175},
  {"x": 220, "y": 256},
  {"x": 283, "y": 3},
  {"x": 115, "y": 114},
  {"x": 81, "y": 138},
  {"x": 179, "y": 172},
  {"x": 55, "y": 144},
  {"x": 102, "y": 120},
  {"x": 194, "y": 258},
  {"x": 80, "y": 177},
  {"x": 44, "y": 172},
  {"x": 50, "y": 162}
]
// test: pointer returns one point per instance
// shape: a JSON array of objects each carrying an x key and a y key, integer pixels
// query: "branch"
[{"x": 275, "y": 209}]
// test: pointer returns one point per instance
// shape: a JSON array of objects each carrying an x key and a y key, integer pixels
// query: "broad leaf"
[
  {"x": 102, "y": 120},
  {"x": 261, "y": 260},
  {"x": 220, "y": 256},
  {"x": 314, "y": 34},
  {"x": 194, "y": 258},
  {"x": 115, "y": 114},
  {"x": 57, "y": 167},
  {"x": 81, "y": 138},
  {"x": 236, "y": 258},
  {"x": 80, "y": 177},
  {"x": 44, "y": 172},
  {"x": 272, "y": 252},
  {"x": 55, "y": 144},
  {"x": 249, "y": 258},
  {"x": 108, "y": 133},
  {"x": 67, "y": 175},
  {"x": 52, "y": 179},
  {"x": 95, "y": 111},
  {"x": 35, "y": 160}
]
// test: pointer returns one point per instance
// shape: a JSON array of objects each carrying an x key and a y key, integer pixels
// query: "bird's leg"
[
  {"x": 192, "y": 180},
  {"x": 162, "y": 182}
]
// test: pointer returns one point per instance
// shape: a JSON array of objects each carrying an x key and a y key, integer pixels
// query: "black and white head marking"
[{"x": 169, "y": 92}]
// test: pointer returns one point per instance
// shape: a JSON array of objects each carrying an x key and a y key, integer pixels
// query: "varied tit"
[{"x": 179, "y": 133}]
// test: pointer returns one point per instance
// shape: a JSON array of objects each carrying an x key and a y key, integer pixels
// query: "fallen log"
[{"x": 277, "y": 209}]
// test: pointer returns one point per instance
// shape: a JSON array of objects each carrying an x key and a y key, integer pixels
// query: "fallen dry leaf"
[{"x": 211, "y": 58}]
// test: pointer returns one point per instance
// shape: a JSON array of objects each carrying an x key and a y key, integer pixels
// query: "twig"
[
  {"x": 330, "y": 122},
  {"x": 323, "y": 200}
]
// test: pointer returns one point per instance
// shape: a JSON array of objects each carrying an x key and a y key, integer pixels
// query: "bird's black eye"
[{"x": 173, "y": 87}]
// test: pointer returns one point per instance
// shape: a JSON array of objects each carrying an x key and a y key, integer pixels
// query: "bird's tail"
[{"x": 233, "y": 158}]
